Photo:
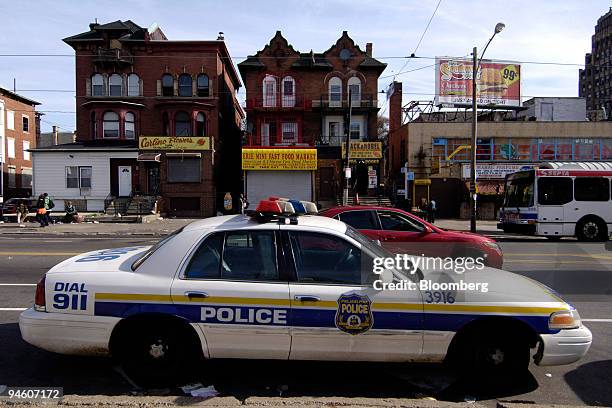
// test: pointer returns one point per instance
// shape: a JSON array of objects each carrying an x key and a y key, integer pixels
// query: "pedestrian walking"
[
  {"x": 41, "y": 211},
  {"x": 432, "y": 211},
  {"x": 49, "y": 204}
]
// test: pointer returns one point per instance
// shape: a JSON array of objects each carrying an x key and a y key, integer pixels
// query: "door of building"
[
  {"x": 152, "y": 178},
  {"x": 125, "y": 180},
  {"x": 326, "y": 183}
]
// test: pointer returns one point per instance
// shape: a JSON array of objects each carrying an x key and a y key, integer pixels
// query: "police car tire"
[
  {"x": 173, "y": 346},
  {"x": 480, "y": 354}
]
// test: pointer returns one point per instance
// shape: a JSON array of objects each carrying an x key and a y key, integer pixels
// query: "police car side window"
[
  {"x": 249, "y": 255},
  {"x": 206, "y": 262},
  {"x": 326, "y": 259}
]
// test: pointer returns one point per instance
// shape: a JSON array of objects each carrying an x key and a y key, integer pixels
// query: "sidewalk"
[{"x": 482, "y": 227}]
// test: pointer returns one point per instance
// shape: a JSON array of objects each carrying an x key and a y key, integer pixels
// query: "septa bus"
[{"x": 560, "y": 199}]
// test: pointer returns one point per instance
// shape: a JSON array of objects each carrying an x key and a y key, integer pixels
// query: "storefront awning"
[
  {"x": 149, "y": 157},
  {"x": 197, "y": 155}
]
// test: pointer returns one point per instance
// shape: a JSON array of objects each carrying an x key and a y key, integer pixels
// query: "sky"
[{"x": 536, "y": 30}]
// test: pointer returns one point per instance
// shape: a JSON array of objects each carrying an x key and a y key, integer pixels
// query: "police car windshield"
[{"x": 154, "y": 248}]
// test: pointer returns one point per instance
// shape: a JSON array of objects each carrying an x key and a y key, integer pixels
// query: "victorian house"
[{"x": 298, "y": 106}]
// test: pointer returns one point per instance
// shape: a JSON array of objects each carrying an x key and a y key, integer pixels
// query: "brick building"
[
  {"x": 156, "y": 120},
  {"x": 297, "y": 108},
  {"x": 18, "y": 130},
  {"x": 595, "y": 80}
]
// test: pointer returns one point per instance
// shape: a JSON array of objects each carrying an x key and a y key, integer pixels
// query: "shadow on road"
[
  {"x": 591, "y": 382},
  {"x": 24, "y": 365}
]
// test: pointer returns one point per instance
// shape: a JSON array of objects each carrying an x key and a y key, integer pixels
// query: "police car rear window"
[{"x": 154, "y": 248}]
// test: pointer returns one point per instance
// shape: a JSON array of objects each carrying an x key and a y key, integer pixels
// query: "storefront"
[
  {"x": 285, "y": 172},
  {"x": 180, "y": 171},
  {"x": 365, "y": 161}
]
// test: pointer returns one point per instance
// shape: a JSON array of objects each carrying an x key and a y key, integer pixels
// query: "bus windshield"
[{"x": 519, "y": 189}]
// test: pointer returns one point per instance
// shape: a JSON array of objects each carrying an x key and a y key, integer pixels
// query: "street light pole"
[
  {"x": 347, "y": 168},
  {"x": 475, "y": 67}
]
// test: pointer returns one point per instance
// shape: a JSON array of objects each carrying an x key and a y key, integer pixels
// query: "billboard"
[
  {"x": 279, "y": 159},
  {"x": 498, "y": 82},
  {"x": 173, "y": 143}
]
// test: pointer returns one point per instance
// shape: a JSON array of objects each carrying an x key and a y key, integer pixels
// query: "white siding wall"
[{"x": 49, "y": 175}]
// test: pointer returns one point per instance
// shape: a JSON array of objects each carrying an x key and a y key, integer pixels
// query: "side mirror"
[{"x": 386, "y": 276}]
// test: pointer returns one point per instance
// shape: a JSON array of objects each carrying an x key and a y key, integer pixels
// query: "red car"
[{"x": 403, "y": 232}]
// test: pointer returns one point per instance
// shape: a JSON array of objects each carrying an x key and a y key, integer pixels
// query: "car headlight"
[
  {"x": 565, "y": 319},
  {"x": 493, "y": 245}
]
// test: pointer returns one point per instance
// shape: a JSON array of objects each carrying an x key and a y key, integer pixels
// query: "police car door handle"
[
  {"x": 196, "y": 295},
  {"x": 306, "y": 298}
]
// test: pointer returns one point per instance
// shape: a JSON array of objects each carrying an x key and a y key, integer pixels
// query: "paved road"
[{"x": 580, "y": 272}]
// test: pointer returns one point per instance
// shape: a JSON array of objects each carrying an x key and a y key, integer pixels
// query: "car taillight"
[{"x": 39, "y": 299}]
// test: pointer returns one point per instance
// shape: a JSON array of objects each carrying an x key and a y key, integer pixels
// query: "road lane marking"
[
  {"x": 39, "y": 253},
  {"x": 597, "y": 320},
  {"x": 596, "y": 256},
  {"x": 558, "y": 261},
  {"x": 17, "y": 284},
  {"x": 13, "y": 309}
]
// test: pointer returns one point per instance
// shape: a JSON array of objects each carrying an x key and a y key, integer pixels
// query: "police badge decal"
[{"x": 354, "y": 314}]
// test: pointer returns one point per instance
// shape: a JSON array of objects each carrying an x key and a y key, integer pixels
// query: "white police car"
[{"x": 296, "y": 287}]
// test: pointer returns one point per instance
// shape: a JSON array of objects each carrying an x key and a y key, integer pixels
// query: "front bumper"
[
  {"x": 67, "y": 333},
  {"x": 564, "y": 347}
]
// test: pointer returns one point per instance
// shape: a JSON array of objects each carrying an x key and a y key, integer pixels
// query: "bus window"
[
  {"x": 591, "y": 189},
  {"x": 554, "y": 190},
  {"x": 519, "y": 190}
]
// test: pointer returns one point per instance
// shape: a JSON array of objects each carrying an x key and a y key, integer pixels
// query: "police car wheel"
[
  {"x": 499, "y": 354},
  {"x": 160, "y": 355}
]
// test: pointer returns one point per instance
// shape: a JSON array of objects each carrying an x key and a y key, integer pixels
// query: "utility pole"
[
  {"x": 347, "y": 168},
  {"x": 473, "y": 196}
]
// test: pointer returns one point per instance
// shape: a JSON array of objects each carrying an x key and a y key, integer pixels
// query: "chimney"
[
  {"x": 369, "y": 49},
  {"x": 94, "y": 25},
  {"x": 55, "y": 140},
  {"x": 221, "y": 37},
  {"x": 395, "y": 106}
]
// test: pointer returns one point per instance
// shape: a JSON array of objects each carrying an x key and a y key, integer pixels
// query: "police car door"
[
  {"x": 336, "y": 314},
  {"x": 233, "y": 277}
]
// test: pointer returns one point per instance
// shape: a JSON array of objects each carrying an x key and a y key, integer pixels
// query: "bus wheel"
[{"x": 591, "y": 229}]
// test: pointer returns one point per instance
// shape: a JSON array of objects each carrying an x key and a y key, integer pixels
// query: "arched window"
[
  {"x": 185, "y": 87},
  {"x": 167, "y": 83},
  {"x": 203, "y": 86},
  {"x": 335, "y": 92},
  {"x": 133, "y": 85},
  {"x": 288, "y": 89},
  {"x": 115, "y": 85},
  {"x": 130, "y": 126},
  {"x": 94, "y": 125},
  {"x": 182, "y": 124},
  {"x": 110, "y": 125},
  {"x": 354, "y": 87},
  {"x": 97, "y": 85},
  {"x": 269, "y": 91},
  {"x": 200, "y": 124}
]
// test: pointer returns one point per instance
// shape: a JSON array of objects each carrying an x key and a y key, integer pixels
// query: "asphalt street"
[{"x": 581, "y": 273}]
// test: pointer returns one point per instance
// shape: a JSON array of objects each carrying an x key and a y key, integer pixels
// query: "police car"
[{"x": 284, "y": 284}]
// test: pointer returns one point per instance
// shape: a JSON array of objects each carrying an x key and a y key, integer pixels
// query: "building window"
[
  {"x": 200, "y": 124},
  {"x": 97, "y": 85},
  {"x": 203, "y": 85},
  {"x": 290, "y": 132},
  {"x": 183, "y": 169},
  {"x": 94, "y": 125},
  {"x": 25, "y": 124},
  {"x": 269, "y": 91},
  {"x": 12, "y": 182},
  {"x": 115, "y": 85},
  {"x": 355, "y": 130},
  {"x": 185, "y": 86},
  {"x": 10, "y": 147},
  {"x": 10, "y": 120},
  {"x": 26, "y": 177},
  {"x": 110, "y": 125},
  {"x": 26, "y": 147},
  {"x": 288, "y": 97},
  {"x": 268, "y": 132},
  {"x": 354, "y": 87},
  {"x": 182, "y": 124},
  {"x": 133, "y": 85},
  {"x": 130, "y": 128},
  {"x": 78, "y": 176},
  {"x": 167, "y": 84},
  {"x": 335, "y": 92}
]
